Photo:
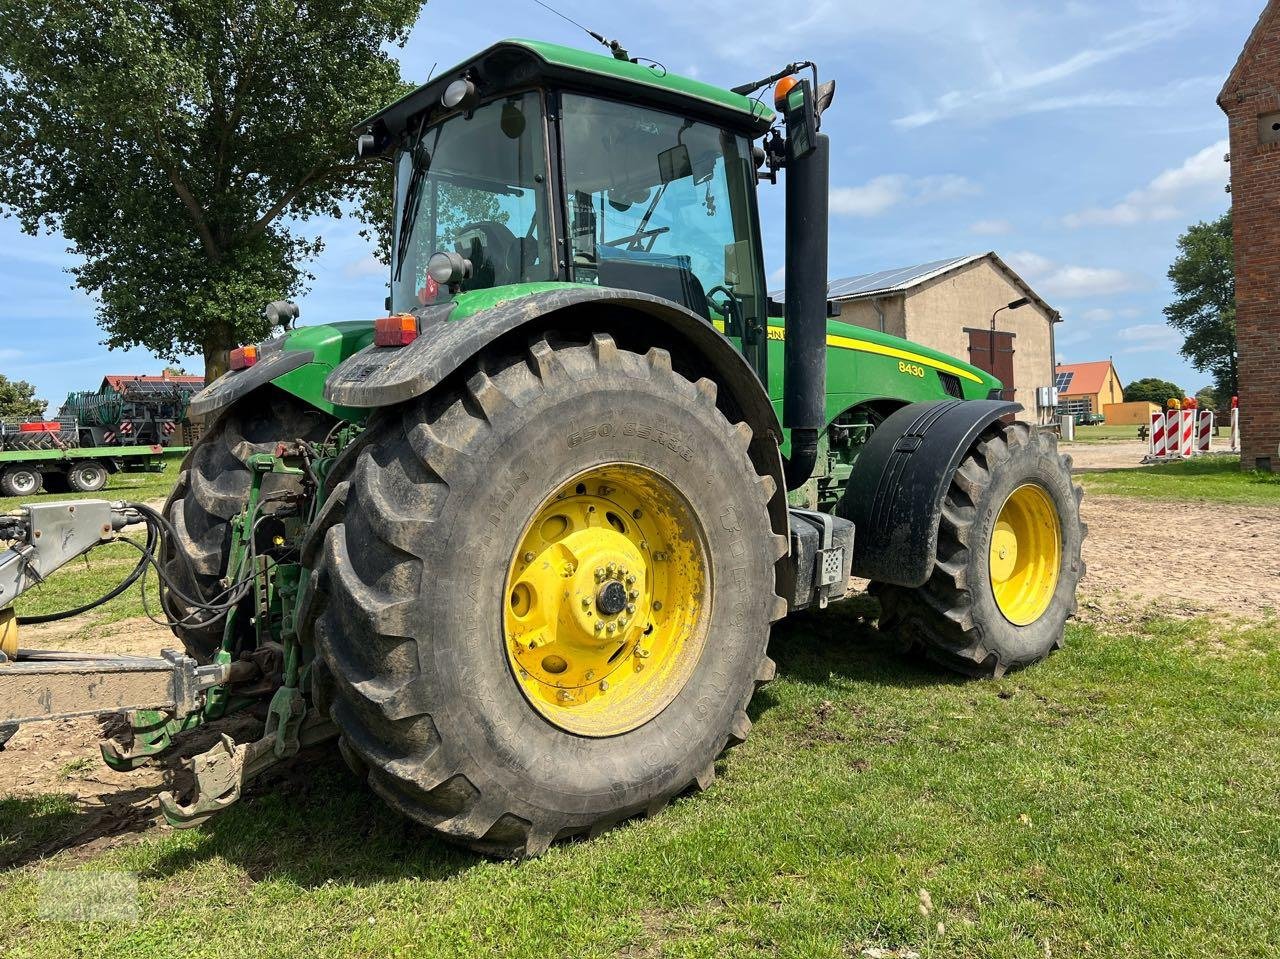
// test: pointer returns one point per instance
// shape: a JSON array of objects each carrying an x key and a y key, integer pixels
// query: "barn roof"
[
  {"x": 118, "y": 381},
  {"x": 904, "y": 278},
  {"x": 1078, "y": 379}
]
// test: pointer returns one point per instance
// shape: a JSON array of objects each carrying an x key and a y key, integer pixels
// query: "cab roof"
[{"x": 510, "y": 64}]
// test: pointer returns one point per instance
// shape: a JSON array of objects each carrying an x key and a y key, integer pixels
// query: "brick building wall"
[{"x": 1251, "y": 100}]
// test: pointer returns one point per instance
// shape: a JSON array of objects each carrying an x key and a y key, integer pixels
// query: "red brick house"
[{"x": 1251, "y": 100}]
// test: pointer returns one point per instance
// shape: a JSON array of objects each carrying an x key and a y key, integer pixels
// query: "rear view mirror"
[{"x": 674, "y": 164}]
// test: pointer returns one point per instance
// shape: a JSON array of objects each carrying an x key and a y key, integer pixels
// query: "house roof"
[
  {"x": 1261, "y": 30},
  {"x": 904, "y": 278},
  {"x": 1080, "y": 379},
  {"x": 117, "y": 382}
]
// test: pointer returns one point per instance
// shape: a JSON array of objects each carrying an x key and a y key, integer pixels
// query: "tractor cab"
[{"x": 534, "y": 163}]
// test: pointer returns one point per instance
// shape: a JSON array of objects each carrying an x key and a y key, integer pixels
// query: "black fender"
[
  {"x": 227, "y": 389},
  {"x": 894, "y": 494},
  {"x": 383, "y": 376}
]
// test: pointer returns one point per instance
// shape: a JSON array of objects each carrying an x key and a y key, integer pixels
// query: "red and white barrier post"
[
  {"x": 1204, "y": 432},
  {"x": 1187, "y": 435},
  {"x": 1235, "y": 424},
  {"x": 1158, "y": 438}
]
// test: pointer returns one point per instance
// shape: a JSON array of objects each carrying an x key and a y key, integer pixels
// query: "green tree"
[
  {"x": 18, "y": 399},
  {"x": 1204, "y": 311},
  {"x": 1208, "y": 399},
  {"x": 1152, "y": 390},
  {"x": 174, "y": 370},
  {"x": 178, "y": 145}
]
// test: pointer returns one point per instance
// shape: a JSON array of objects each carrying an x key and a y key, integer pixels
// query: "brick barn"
[{"x": 1251, "y": 100}]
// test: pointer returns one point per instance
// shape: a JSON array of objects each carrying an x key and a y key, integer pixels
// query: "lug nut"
[
  {"x": 613, "y": 569},
  {"x": 631, "y": 579},
  {"x": 657, "y": 606},
  {"x": 600, "y": 574},
  {"x": 634, "y": 594},
  {"x": 631, "y": 607},
  {"x": 611, "y": 628},
  {"x": 604, "y": 685},
  {"x": 599, "y": 626},
  {"x": 586, "y": 602},
  {"x": 591, "y": 674},
  {"x": 622, "y": 623},
  {"x": 528, "y": 557},
  {"x": 636, "y": 514}
]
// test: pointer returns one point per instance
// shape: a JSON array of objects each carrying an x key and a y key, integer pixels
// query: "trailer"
[{"x": 24, "y": 472}]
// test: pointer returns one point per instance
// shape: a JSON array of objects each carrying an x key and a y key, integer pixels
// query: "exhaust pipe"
[{"x": 805, "y": 380}]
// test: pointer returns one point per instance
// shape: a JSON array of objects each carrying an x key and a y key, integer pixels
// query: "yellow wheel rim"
[
  {"x": 605, "y": 600},
  {"x": 1026, "y": 553}
]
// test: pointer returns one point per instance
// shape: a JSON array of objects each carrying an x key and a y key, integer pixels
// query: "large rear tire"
[
  {"x": 477, "y": 525},
  {"x": 212, "y": 488},
  {"x": 1004, "y": 581}
]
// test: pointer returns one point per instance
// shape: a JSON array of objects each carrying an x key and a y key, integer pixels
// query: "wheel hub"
[
  {"x": 1026, "y": 554},
  {"x": 605, "y": 600}
]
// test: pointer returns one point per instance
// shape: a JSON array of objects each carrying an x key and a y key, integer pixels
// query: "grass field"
[
  {"x": 1216, "y": 479},
  {"x": 1105, "y": 434},
  {"x": 1118, "y": 800}
]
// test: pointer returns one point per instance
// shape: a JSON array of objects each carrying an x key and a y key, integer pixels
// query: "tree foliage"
[
  {"x": 1208, "y": 399},
  {"x": 179, "y": 144},
  {"x": 1204, "y": 311},
  {"x": 1152, "y": 390},
  {"x": 18, "y": 399}
]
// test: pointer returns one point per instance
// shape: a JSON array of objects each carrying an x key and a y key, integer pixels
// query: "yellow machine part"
[
  {"x": 9, "y": 632},
  {"x": 1026, "y": 554},
  {"x": 607, "y": 600}
]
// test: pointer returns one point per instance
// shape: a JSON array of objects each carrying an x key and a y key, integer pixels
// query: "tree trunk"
[{"x": 216, "y": 358}]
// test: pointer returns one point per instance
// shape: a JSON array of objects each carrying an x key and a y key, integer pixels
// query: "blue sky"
[{"x": 1075, "y": 139}]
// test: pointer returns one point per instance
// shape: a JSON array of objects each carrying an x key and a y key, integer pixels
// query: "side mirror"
[
  {"x": 674, "y": 164},
  {"x": 802, "y": 120}
]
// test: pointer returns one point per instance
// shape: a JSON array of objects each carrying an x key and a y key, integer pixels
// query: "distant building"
[
  {"x": 1137, "y": 413},
  {"x": 152, "y": 383},
  {"x": 947, "y": 305},
  {"x": 1087, "y": 387},
  {"x": 1251, "y": 100}
]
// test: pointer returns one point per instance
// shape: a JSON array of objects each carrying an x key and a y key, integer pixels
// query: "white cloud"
[
  {"x": 1161, "y": 198},
  {"x": 1146, "y": 333},
  {"x": 1068, "y": 281},
  {"x": 891, "y": 189},
  {"x": 991, "y": 227},
  {"x": 365, "y": 266},
  {"x": 1009, "y": 93}
]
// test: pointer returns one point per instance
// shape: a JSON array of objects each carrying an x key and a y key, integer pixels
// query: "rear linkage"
[{"x": 162, "y": 698}]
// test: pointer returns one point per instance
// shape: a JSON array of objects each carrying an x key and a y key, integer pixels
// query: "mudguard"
[
  {"x": 895, "y": 492},
  {"x": 225, "y": 390},
  {"x": 382, "y": 376}
]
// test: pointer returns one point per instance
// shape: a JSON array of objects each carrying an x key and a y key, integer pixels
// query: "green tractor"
[{"x": 519, "y": 544}]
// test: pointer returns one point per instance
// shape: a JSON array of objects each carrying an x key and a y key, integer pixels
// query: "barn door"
[{"x": 1002, "y": 367}]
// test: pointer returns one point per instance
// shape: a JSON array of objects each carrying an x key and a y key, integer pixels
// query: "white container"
[{"x": 1067, "y": 424}]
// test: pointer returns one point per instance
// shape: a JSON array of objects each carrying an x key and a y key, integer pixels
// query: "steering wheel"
[{"x": 498, "y": 243}]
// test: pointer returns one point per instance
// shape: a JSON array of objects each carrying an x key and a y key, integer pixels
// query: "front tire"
[
  {"x": 1008, "y": 564},
  {"x": 433, "y": 531}
]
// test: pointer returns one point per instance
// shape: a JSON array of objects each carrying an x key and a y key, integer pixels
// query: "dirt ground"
[
  {"x": 1120, "y": 454},
  {"x": 1190, "y": 558},
  {"x": 1139, "y": 554}
]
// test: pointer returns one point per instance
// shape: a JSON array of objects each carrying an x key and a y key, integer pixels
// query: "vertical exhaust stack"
[{"x": 805, "y": 382}]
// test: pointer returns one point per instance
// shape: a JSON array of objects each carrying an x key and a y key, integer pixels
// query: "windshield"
[
  {"x": 474, "y": 184},
  {"x": 663, "y": 204}
]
